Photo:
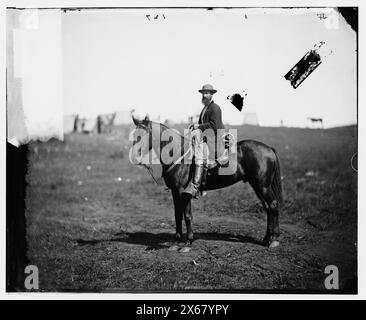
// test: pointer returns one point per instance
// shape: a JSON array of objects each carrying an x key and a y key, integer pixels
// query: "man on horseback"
[{"x": 209, "y": 121}]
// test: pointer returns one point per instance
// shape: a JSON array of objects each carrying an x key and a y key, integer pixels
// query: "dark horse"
[{"x": 256, "y": 163}]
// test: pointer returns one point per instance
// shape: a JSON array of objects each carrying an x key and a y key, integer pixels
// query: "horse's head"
[
  {"x": 144, "y": 123},
  {"x": 141, "y": 138},
  {"x": 167, "y": 143}
]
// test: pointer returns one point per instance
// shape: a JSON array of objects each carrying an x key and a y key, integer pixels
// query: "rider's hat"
[{"x": 207, "y": 87}]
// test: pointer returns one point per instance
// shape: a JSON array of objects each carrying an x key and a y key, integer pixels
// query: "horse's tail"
[{"x": 276, "y": 184}]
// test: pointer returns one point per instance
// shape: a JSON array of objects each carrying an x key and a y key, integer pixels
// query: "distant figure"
[
  {"x": 76, "y": 120},
  {"x": 315, "y": 120},
  {"x": 99, "y": 124},
  {"x": 110, "y": 123},
  {"x": 281, "y": 123}
]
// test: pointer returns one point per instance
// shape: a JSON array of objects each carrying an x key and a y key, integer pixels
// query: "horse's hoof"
[
  {"x": 265, "y": 242},
  {"x": 274, "y": 244},
  {"x": 185, "y": 249},
  {"x": 174, "y": 247}
]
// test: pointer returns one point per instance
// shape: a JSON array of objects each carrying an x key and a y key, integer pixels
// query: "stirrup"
[
  {"x": 192, "y": 190},
  {"x": 194, "y": 185}
]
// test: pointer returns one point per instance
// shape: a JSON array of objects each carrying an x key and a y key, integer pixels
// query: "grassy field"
[{"x": 95, "y": 222}]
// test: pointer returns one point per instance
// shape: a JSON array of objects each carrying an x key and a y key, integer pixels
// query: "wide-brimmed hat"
[{"x": 207, "y": 87}]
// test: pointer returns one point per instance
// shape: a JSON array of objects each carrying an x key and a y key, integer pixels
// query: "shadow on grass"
[{"x": 156, "y": 241}]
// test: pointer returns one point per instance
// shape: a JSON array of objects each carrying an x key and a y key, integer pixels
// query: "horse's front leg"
[
  {"x": 187, "y": 212},
  {"x": 178, "y": 213}
]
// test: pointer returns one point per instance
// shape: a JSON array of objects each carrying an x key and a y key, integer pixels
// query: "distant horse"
[
  {"x": 314, "y": 120},
  {"x": 256, "y": 163},
  {"x": 105, "y": 122}
]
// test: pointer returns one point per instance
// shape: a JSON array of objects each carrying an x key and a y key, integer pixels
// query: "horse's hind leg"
[
  {"x": 273, "y": 231},
  {"x": 271, "y": 206}
]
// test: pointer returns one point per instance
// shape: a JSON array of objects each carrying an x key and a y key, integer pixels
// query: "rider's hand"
[{"x": 193, "y": 126}]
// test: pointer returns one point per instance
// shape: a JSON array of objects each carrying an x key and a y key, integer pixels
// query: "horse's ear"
[{"x": 135, "y": 120}]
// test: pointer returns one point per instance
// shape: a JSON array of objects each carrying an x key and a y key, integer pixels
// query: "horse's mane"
[
  {"x": 175, "y": 131},
  {"x": 185, "y": 141}
]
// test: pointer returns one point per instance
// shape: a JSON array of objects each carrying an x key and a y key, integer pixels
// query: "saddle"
[{"x": 222, "y": 160}]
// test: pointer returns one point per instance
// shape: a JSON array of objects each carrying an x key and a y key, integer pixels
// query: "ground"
[{"x": 95, "y": 222}]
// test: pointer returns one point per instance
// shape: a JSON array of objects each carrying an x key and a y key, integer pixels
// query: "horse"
[
  {"x": 257, "y": 163},
  {"x": 314, "y": 120}
]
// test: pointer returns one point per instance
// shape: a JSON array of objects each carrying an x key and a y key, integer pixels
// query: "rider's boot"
[
  {"x": 204, "y": 178},
  {"x": 194, "y": 186}
]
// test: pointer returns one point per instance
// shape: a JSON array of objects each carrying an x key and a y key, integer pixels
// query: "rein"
[
  {"x": 179, "y": 159},
  {"x": 150, "y": 169}
]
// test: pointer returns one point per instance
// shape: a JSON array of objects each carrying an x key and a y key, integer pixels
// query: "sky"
[{"x": 119, "y": 59}]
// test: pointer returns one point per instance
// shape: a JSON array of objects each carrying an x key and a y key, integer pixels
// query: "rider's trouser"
[{"x": 200, "y": 149}]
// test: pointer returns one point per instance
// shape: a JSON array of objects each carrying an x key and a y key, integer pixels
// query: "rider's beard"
[{"x": 205, "y": 101}]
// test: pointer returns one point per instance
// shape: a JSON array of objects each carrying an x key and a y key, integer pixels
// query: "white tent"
[
  {"x": 69, "y": 121},
  {"x": 123, "y": 117},
  {"x": 34, "y": 75},
  {"x": 89, "y": 124},
  {"x": 251, "y": 118}
]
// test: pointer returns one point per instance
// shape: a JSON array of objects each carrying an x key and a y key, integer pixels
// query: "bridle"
[{"x": 149, "y": 168}]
